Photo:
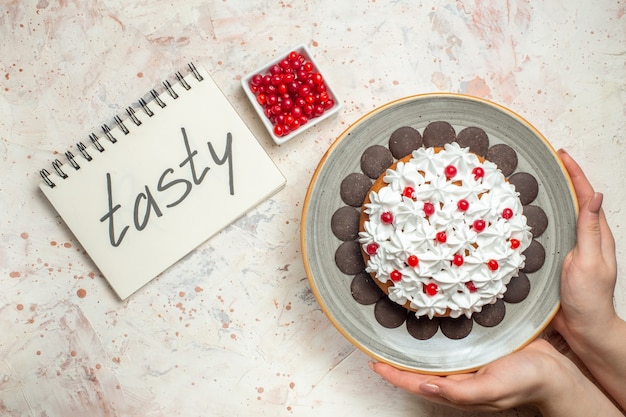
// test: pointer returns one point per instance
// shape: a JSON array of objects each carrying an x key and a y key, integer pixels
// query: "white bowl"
[{"x": 245, "y": 83}]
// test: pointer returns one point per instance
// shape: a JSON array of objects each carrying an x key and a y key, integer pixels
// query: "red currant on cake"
[
  {"x": 441, "y": 237},
  {"x": 386, "y": 217},
  {"x": 431, "y": 289},
  {"x": 478, "y": 173},
  {"x": 463, "y": 205},
  {"x": 372, "y": 248},
  {"x": 429, "y": 209},
  {"x": 408, "y": 192},
  {"x": 515, "y": 243},
  {"x": 458, "y": 260},
  {"x": 412, "y": 261},
  {"x": 507, "y": 214},
  {"x": 493, "y": 265},
  {"x": 450, "y": 171},
  {"x": 479, "y": 225},
  {"x": 395, "y": 275}
]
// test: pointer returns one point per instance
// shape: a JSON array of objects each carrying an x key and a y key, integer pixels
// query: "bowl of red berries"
[{"x": 290, "y": 94}]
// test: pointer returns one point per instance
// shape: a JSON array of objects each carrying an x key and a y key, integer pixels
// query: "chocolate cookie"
[
  {"x": 364, "y": 290},
  {"x": 389, "y": 314},
  {"x": 526, "y": 185},
  {"x": 518, "y": 289},
  {"x": 403, "y": 141},
  {"x": 375, "y": 160},
  {"x": 456, "y": 328},
  {"x": 536, "y": 219},
  {"x": 354, "y": 188},
  {"x": 348, "y": 258},
  {"x": 504, "y": 157},
  {"x": 491, "y": 315},
  {"x": 345, "y": 223},
  {"x": 422, "y": 328},
  {"x": 475, "y": 139},
  {"x": 535, "y": 257},
  {"x": 438, "y": 134}
]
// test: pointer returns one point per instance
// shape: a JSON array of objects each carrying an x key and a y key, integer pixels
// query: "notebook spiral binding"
[{"x": 83, "y": 150}]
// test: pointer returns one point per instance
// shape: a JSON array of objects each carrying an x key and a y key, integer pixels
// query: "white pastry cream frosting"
[{"x": 447, "y": 230}]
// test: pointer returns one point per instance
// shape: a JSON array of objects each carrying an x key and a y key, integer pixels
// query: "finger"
[
  {"x": 589, "y": 232},
  {"x": 582, "y": 186},
  {"x": 408, "y": 381}
]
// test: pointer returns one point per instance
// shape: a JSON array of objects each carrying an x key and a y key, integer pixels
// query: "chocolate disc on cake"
[
  {"x": 437, "y": 134},
  {"x": 475, "y": 139},
  {"x": 375, "y": 160},
  {"x": 526, "y": 185},
  {"x": 403, "y": 141},
  {"x": 491, "y": 315},
  {"x": 345, "y": 223},
  {"x": 535, "y": 257},
  {"x": 504, "y": 157},
  {"x": 354, "y": 188},
  {"x": 389, "y": 314},
  {"x": 364, "y": 290},
  {"x": 518, "y": 289},
  {"x": 422, "y": 328},
  {"x": 348, "y": 258},
  {"x": 456, "y": 328},
  {"x": 537, "y": 219}
]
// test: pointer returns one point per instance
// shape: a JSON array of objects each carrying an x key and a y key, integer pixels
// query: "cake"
[{"x": 442, "y": 232}]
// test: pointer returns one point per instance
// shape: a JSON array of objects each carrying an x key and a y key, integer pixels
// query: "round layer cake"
[{"x": 442, "y": 232}]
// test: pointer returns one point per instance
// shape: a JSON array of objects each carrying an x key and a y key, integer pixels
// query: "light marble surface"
[{"x": 233, "y": 329}]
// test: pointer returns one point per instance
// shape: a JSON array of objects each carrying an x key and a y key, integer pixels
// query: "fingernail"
[
  {"x": 596, "y": 202},
  {"x": 431, "y": 389},
  {"x": 371, "y": 365}
]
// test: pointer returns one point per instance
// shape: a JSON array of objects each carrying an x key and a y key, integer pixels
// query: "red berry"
[
  {"x": 431, "y": 289},
  {"x": 429, "y": 209},
  {"x": 317, "y": 78},
  {"x": 478, "y": 173},
  {"x": 279, "y": 130},
  {"x": 463, "y": 205},
  {"x": 507, "y": 213},
  {"x": 372, "y": 248},
  {"x": 479, "y": 225},
  {"x": 256, "y": 79},
  {"x": 408, "y": 192},
  {"x": 308, "y": 66},
  {"x": 470, "y": 286},
  {"x": 386, "y": 217},
  {"x": 271, "y": 99},
  {"x": 412, "y": 261},
  {"x": 450, "y": 171},
  {"x": 515, "y": 243},
  {"x": 441, "y": 237},
  {"x": 458, "y": 260},
  {"x": 395, "y": 275},
  {"x": 492, "y": 264},
  {"x": 261, "y": 99}
]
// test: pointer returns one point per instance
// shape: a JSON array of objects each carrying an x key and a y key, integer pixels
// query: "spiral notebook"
[{"x": 153, "y": 185}]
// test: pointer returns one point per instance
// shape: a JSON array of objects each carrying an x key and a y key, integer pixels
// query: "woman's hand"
[
  {"x": 536, "y": 375},
  {"x": 587, "y": 319},
  {"x": 589, "y": 271}
]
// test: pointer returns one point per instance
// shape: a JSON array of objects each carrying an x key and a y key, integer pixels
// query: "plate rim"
[{"x": 320, "y": 167}]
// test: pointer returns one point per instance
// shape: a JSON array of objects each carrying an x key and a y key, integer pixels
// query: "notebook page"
[{"x": 165, "y": 187}]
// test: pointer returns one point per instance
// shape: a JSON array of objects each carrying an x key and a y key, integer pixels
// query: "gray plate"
[{"x": 439, "y": 355}]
